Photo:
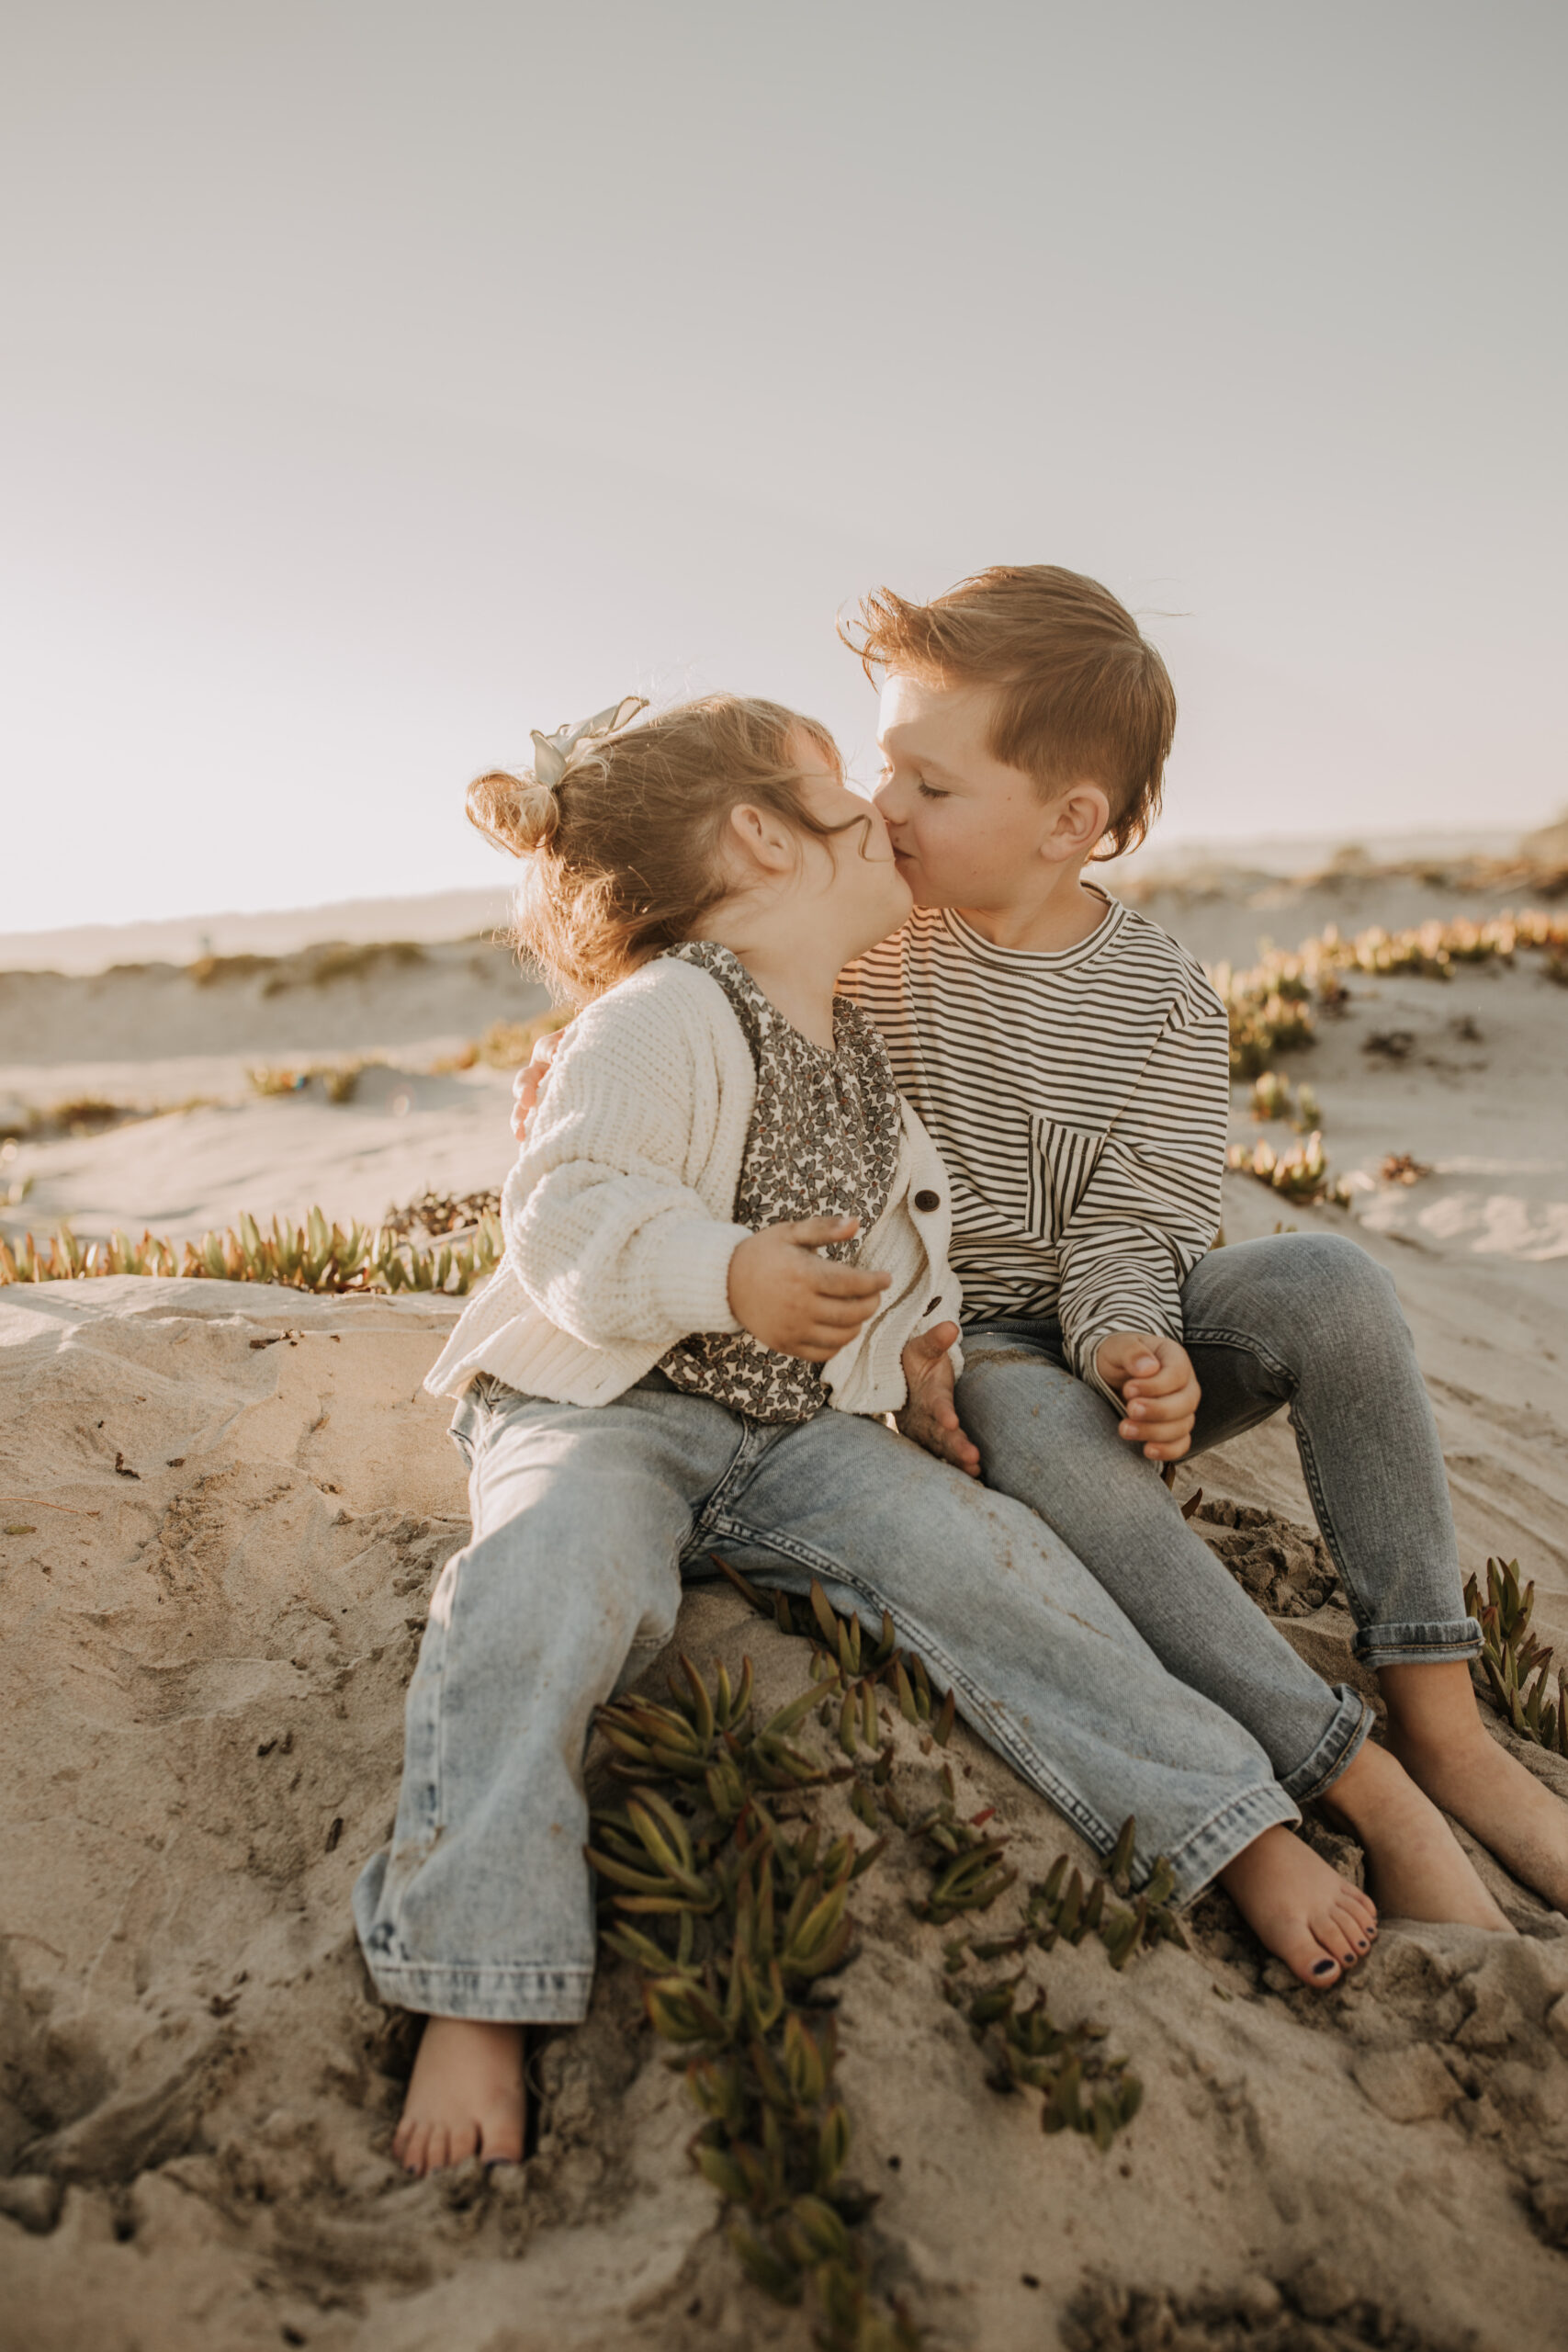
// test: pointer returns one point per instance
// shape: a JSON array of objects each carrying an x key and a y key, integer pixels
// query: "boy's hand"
[
  {"x": 1158, "y": 1388},
  {"x": 929, "y": 1416},
  {"x": 792, "y": 1300},
  {"x": 525, "y": 1086}
]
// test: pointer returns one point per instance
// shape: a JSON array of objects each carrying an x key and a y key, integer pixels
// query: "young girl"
[{"x": 723, "y": 1233}]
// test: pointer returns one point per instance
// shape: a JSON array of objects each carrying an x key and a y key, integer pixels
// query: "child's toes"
[
  {"x": 414, "y": 2153},
  {"x": 462, "y": 2141},
  {"x": 1311, "y": 1957},
  {"x": 1359, "y": 1928}
]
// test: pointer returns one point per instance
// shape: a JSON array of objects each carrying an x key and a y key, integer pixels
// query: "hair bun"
[{"x": 517, "y": 812}]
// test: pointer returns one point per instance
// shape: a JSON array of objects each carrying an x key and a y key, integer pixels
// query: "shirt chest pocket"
[{"x": 1061, "y": 1161}]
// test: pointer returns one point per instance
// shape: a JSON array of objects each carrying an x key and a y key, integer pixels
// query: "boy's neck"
[{"x": 1060, "y": 914}]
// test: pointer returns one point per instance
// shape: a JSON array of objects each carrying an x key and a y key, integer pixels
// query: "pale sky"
[{"x": 380, "y": 381}]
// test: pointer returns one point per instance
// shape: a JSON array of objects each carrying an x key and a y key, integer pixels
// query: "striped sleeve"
[{"x": 1151, "y": 1207}]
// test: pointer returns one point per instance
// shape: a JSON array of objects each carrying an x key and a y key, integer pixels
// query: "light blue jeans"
[
  {"x": 585, "y": 1521},
  {"x": 1307, "y": 1322}
]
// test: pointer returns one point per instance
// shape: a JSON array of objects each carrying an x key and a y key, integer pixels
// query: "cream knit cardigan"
[{"x": 619, "y": 1215}]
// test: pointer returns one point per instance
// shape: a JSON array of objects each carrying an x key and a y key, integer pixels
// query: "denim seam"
[
  {"x": 749, "y": 1449},
  {"x": 1000, "y": 1732},
  {"x": 563, "y": 1986},
  {"x": 1410, "y": 1644},
  {"x": 1340, "y": 1743},
  {"x": 481, "y": 1972}
]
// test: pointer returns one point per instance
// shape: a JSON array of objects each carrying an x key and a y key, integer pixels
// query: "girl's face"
[{"x": 853, "y": 879}]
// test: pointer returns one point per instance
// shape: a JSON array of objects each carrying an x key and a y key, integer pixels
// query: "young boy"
[{"x": 1070, "y": 1061}]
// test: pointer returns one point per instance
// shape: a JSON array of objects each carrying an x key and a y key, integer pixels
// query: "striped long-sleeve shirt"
[{"x": 1079, "y": 1101}]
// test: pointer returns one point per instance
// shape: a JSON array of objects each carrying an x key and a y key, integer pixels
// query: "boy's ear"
[{"x": 1079, "y": 817}]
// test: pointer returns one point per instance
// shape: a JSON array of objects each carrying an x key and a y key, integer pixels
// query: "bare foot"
[
  {"x": 1435, "y": 1729},
  {"x": 1303, "y": 1911},
  {"x": 465, "y": 2096},
  {"x": 1416, "y": 1866}
]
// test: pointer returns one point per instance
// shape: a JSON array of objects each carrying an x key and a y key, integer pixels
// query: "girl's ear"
[
  {"x": 763, "y": 838},
  {"x": 1078, "y": 820}
]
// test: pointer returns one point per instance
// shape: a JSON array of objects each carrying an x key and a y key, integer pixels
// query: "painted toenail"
[{"x": 1322, "y": 1967}]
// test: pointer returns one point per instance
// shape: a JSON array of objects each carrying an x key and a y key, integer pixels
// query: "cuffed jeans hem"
[
  {"x": 1202, "y": 1857},
  {"x": 1417, "y": 1644},
  {"x": 1352, "y": 1721},
  {"x": 536, "y": 1995}
]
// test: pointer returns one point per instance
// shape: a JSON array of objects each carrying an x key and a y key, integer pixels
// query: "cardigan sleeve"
[{"x": 603, "y": 1231}]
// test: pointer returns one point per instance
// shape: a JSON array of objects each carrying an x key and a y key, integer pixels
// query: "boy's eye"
[{"x": 929, "y": 792}]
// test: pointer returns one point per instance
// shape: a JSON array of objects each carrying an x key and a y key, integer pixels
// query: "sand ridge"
[
  {"x": 208, "y": 1641},
  {"x": 223, "y": 1508}
]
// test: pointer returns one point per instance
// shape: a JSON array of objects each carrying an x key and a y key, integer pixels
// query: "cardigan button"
[{"x": 928, "y": 1200}]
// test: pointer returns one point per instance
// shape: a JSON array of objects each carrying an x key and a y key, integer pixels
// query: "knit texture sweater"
[{"x": 618, "y": 1217}]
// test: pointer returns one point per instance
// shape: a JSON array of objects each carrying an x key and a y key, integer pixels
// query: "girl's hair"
[{"x": 623, "y": 850}]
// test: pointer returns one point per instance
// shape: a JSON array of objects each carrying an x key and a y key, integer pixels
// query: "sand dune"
[
  {"x": 242, "y": 1497},
  {"x": 221, "y": 1509},
  {"x": 189, "y": 1039}
]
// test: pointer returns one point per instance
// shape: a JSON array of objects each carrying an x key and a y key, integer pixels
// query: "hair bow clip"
[{"x": 551, "y": 752}]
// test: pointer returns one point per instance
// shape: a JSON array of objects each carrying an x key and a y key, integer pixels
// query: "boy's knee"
[
  {"x": 1343, "y": 1277},
  {"x": 1311, "y": 1297}
]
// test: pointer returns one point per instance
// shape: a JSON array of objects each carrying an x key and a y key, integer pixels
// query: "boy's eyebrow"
[{"x": 927, "y": 767}]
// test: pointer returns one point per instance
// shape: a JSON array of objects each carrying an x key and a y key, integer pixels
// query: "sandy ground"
[
  {"x": 233, "y": 1503},
  {"x": 221, "y": 1509},
  {"x": 161, "y": 1034}
]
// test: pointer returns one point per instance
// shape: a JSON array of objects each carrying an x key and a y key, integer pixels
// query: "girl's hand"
[
  {"x": 795, "y": 1302},
  {"x": 529, "y": 1079},
  {"x": 929, "y": 1416},
  {"x": 1158, "y": 1388}
]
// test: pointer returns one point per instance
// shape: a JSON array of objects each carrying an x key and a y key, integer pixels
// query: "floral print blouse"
[{"x": 823, "y": 1142}]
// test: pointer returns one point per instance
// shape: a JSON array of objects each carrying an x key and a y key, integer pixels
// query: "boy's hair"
[
  {"x": 623, "y": 848},
  {"x": 1081, "y": 694}
]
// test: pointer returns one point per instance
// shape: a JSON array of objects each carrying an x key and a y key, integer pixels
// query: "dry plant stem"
[
  {"x": 1416, "y": 1867},
  {"x": 35, "y": 1502},
  {"x": 1435, "y": 1729},
  {"x": 465, "y": 2096}
]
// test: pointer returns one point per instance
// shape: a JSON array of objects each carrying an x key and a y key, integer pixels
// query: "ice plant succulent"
[
  {"x": 314, "y": 1256},
  {"x": 736, "y": 1920},
  {"x": 1271, "y": 1005},
  {"x": 1301, "y": 1171},
  {"x": 1515, "y": 1664},
  {"x": 732, "y": 1901}
]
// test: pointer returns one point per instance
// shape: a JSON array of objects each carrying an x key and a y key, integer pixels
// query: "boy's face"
[{"x": 966, "y": 830}]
